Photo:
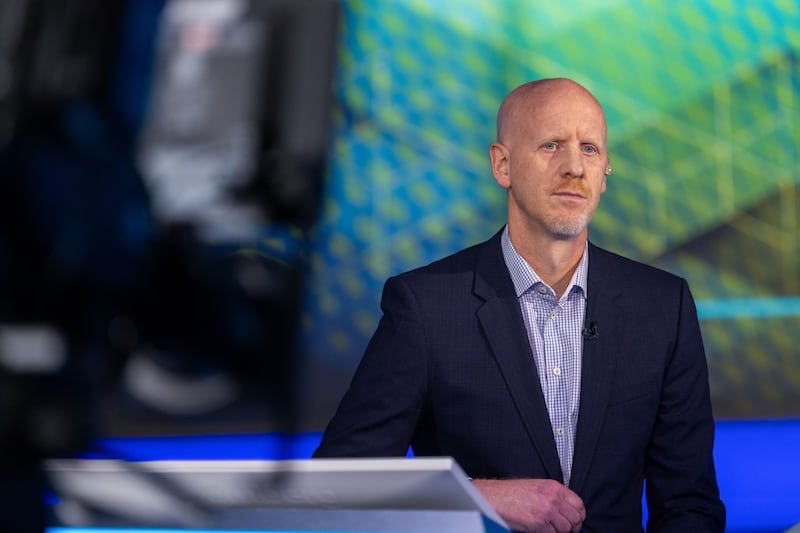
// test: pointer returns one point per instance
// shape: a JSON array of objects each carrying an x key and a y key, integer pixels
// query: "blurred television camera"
[{"x": 161, "y": 168}]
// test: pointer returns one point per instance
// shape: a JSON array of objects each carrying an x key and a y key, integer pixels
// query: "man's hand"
[{"x": 534, "y": 505}]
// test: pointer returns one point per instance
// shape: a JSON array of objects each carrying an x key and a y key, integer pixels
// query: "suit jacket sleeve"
[
  {"x": 379, "y": 413},
  {"x": 682, "y": 491}
]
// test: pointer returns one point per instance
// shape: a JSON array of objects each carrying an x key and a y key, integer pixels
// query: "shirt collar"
[{"x": 524, "y": 277}]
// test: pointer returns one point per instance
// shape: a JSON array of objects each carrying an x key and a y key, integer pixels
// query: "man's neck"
[{"x": 554, "y": 260}]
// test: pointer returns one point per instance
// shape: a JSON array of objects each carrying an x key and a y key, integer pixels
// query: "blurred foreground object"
[{"x": 127, "y": 246}]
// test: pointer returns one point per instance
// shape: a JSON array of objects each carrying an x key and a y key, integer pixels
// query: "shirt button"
[
  {"x": 557, "y": 371},
  {"x": 560, "y": 432},
  {"x": 542, "y": 289},
  {"x": 553, "y": 315}
]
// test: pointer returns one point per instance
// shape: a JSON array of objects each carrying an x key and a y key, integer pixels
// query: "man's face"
[{"x": 556, "y": 162}]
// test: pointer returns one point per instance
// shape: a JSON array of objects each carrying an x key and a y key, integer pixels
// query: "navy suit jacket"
[{"x": 450, "y": 372}]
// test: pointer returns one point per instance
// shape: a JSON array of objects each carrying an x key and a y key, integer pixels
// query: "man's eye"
[
  {"x": 589, "y": 149},
  {"x": 549, "y": 146}
]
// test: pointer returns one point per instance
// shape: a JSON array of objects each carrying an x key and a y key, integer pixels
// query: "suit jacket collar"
[
  {"x": 501, "y": 320},
  {"x": 605, "y": 311}
]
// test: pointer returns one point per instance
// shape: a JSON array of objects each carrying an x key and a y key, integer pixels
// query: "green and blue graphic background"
[{"x": 703, "y": 104}]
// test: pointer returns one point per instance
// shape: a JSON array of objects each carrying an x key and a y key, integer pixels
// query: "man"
[{"x": 560, "y": 376}]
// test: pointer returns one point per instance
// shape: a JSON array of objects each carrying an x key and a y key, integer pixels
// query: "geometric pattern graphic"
[
  {"x": 751, "y": 334},
  {"x": 703, "y": 105}
]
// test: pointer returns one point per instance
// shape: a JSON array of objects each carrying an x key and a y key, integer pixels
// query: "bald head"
[
  {"x": 527, "y": 99},
  {"x": 552, "y": 158}
]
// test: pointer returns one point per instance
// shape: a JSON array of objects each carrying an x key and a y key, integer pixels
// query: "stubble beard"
[{"x": 567, "y": 227}]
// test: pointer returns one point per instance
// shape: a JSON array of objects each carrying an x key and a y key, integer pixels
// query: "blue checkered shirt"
[{"x": 555, "y": 334}]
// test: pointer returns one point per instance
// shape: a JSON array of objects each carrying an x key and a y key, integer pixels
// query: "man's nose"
[{"x": 573, "y": 162}]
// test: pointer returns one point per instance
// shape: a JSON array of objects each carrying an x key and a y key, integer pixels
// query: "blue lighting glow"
[
  {"x": 130, "y": 530},
  {"x": 758, "y": 466},
  {"x": 732, "y": 308}
]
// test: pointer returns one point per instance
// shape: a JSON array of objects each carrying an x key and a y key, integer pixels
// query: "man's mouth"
[{"x": 569, "y": 193}]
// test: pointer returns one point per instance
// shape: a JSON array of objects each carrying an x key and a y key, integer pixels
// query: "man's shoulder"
[
  {"x": 611, "y": 265},
  {"x": 461, "y": 261}
]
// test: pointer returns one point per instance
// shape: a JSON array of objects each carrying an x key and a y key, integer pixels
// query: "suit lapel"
[
  {"x": 501, "y": 320},
  {"x": 598, "y": 364}
]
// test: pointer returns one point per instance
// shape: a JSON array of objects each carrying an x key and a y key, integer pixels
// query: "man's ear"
[
  {"x": 499, "y": 156},
  {"x": 606, "y": 173}
]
